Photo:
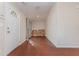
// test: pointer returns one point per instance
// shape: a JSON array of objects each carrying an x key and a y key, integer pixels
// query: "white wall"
[
  {"x": 63, "y": 25},
  {"x": 22, "y": 28},
  {"x": 38, "y": 24},
  {"x": 17, "y": 27},
  {"x": 2, "y": 29}
]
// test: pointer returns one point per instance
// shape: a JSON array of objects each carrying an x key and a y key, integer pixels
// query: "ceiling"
[{"x": 35, "y": 10}]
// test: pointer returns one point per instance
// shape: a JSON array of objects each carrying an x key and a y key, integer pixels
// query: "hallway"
[
  {"x": 53, "y": 28},
  {"x": 40, "y": 46}
]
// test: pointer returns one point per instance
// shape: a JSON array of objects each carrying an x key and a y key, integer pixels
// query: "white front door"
[{"x": 12, "y": 31}]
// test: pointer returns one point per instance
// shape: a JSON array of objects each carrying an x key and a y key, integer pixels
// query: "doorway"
[{"x": 28, "y": 29}]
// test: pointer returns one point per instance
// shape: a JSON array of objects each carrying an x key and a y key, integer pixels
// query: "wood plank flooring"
[{"x": 41, "y": 46}]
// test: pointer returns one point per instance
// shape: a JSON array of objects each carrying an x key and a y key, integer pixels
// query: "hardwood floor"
[{"x": 40, "y": 46}]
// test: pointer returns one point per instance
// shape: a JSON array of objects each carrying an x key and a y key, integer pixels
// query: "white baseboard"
[
  {"x": 51, "y": 41},
  {"x": 64, "y": 46},
  {"x": 22, "y": 42}
]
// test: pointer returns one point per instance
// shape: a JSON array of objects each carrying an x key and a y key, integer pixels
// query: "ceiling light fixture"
[{"x": 37, "y": 16}]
